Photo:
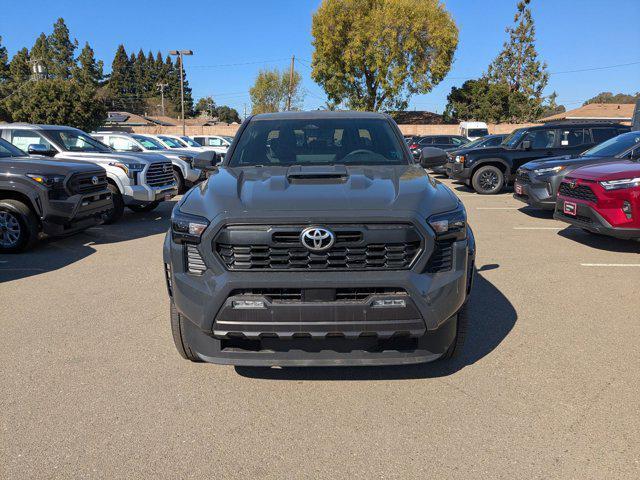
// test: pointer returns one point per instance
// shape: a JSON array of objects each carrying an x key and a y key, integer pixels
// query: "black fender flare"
[
  {"x": 17, "y": 190},
  {"x": 492, "y": 160}
]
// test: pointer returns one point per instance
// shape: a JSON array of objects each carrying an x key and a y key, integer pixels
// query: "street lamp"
[{"x": 180, "y": 54}]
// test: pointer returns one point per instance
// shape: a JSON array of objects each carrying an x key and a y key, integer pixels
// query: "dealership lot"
[{"x": 547, "y": 385}]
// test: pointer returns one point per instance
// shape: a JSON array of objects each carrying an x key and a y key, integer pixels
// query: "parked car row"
[
  {"x": 587, "y": 173},
  {"x": 69, "y": 180}
]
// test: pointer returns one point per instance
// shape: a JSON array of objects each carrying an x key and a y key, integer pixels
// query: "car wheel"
[
  {"x": 114, "y": 214},
  {"x": 462, "y": 322},
  {"x": 179, "y": 339},
  {"x": 488, "y": 180},
  {"x": 147, "y": 207},
  {"x": 19, "y": 227},
  {"x": 179, "y": 179}
]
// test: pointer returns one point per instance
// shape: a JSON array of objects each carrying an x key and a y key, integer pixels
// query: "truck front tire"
[
  {"x": 19, "y": 227},
  {"x": 179, "y": 339},
  {"x": 147, "y": 207},
  {"x": 179, "y": 179},
  {"x": 114, "y": 214},
  {"x": 462, "y": 321},
  {"x": 488, "y": 180}
]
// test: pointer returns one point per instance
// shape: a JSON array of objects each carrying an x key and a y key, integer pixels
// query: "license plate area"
[
  {"x": 518, "y": 188},
  {"x": 570, "y": 208}
]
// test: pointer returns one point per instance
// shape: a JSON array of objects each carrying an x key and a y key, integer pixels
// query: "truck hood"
[
  {"x": 319, "y": 189},
  {"x": 46, "y": 165},
  {"x": 112, "y": 156},
  {"x": 178, "y": 151},
  {"x": 480, "y": 150},
  {"x": 615, "y": 169}
]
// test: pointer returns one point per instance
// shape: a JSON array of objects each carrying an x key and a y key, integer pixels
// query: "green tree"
[
  {"x": 4, "y": 63},
  {"x": 518, "y": 66},
  {"x": 205, "y": 106},
  {"x": 19, "y": 70},
  {"x": 121, "y": 86},
  {"x": 609, "y": 97},
  {"x": 552, "y": 107},
  {"x": 88, "y": 71},
  {"x": 479, "y": 100},
  {"x": 41, "y": 54},
  {"x": 62, "y": 50},
  {"x": 227, "y": 114},
  {"x": 56, "y": 101},
  {"x": 374, "y": 54},
  {"x": 270, "y": 91}
]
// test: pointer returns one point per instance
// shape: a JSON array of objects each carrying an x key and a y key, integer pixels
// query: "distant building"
[
  {"x": 126, "y": 120},
  {"x": 620, "y": 112}
]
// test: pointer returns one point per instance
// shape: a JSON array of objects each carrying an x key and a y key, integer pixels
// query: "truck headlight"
[
  {"x": 450, "y": 225},
  {"x": 186, "y": 227},
  {"x": 186, "y": 158},
  {"x": 459, "y": 159},
  {"x": 544, "y": 171},
  {"x": 129, "y": 168},
  {"x": 47, "y": 180},
  {"x": 623, "y": 183}
]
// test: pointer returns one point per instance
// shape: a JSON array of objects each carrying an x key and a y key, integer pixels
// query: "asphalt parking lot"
[{"x": 547, "y": 387}]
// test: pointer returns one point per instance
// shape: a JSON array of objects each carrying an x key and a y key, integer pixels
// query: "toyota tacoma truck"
[
  {"x": 139, "y": 182},
  {"x": 39, "y": 195},
  {"x": 318, "y": 241}
]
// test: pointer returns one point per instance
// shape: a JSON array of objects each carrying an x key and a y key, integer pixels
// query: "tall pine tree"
[
  {"x": 40, "y": 54},
  {"x": 88, "y": 71},
  {"x": 518, "y": 66},
  {"x": 62, "y": 50}
]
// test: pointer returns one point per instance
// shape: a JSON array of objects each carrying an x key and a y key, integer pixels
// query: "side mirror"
[
  {"x": 134, "y": 148},
  {"x": 433, "y": 157},
  {"x": 525, "y": 145},
  {"x": 207, "y": 160},
  {"x": 38, "y": 149}
]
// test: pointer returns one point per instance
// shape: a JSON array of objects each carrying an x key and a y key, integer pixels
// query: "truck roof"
[{"x": 318, "y": 114}]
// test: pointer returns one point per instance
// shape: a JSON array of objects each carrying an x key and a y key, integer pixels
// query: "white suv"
[
  {"x": 139, "y": 182},
  {"x": 185, "y": 174},
  {"x": 219, "y": 143}
]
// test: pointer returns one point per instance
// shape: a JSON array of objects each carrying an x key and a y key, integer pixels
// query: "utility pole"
[
  {"x": 38, "y": 69},
  {"x": 293, "y": 61},
  {"x": 245, "y": 112},
  {"x": 161, "y": 87},
  {"x": 180, "y": 54}
]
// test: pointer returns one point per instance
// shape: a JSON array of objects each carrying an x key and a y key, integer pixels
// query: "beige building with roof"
[{"x": 619, "y": 112}]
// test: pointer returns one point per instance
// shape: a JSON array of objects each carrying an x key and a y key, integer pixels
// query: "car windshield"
[
  {"x": 614, "y": 146},
  {"x": 149, "y": 143},
  {"x": 172, "y": 142},
  {"x": 346, "y": 141},
  {"x": 190, "y": 141},
  {"x": 475, "y": 143},
  {"x": 477, "y": 132},
  {"x": 227, "y": 138},
  {"x": 513, "y": 140},
  {"x": 75, "y": 141},
  {"x": 8, "y": 150}
]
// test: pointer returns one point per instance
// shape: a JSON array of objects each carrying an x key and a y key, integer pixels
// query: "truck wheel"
[
  {"x": 19, "y": 227},
  {"x": 178, "y": 338},
  {"x": 462, "y": 321},
  {"x": 178, "y": 178},
  {"x": 488, "y": 180},
  {"x": 114, "y": 214},
  {"x": 147, "y": 207}
]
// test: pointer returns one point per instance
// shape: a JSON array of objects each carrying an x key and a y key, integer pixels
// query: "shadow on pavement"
[
  {"x": 492, "y": 316},
  {"x": 537, "y": 213},
  {"x": 54, "y": 253},
  {"x": 600, "y": 242}
]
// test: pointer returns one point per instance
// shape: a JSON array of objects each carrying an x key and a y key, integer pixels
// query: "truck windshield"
[
  {"x": 75, "y": 141},
  {"x": 149, "y": 143},
  {"x": 346, "y": 141},
  {"x": 190, "y": 142},
  {"x": 172, "y": 142},
  {"x": 8, "y": 150},
  {"x": 614, "y": 146},
  {"x": 513, "y": 140},
  {"x": 477, "y": 132}
]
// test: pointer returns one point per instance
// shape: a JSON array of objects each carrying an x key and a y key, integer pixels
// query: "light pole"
[{"x": 180, "y": 54}]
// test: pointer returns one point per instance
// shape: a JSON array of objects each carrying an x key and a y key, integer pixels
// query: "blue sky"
[{"x": 571, "y": 35}]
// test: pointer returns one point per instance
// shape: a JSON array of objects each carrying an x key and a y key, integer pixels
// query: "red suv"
[{"x": 602, "y": 198}]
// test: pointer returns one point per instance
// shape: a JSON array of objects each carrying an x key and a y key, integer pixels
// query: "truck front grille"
[
  {"x": 160, "y": 174},
  {"x": 522, "y": 177},
  {"x": 90, "y": 182},
  {"x": 582, "y": 192},
  {"x": 441, "y": 259},
  {"x": 359, "y": 247}
]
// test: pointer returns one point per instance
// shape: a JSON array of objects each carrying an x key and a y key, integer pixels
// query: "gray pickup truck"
[
  {"x": 55, "y": 197},
  {"x": 318, "y": 241}
]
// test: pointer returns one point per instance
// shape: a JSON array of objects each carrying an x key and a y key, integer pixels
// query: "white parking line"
[
  {"x": 610, "y": 264},
  {"x": 497, "y": 208},
  {"x": 540, "y": 228}
]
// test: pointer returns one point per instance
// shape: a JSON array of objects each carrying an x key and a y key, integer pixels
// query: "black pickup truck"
[
  {"x": 488, "y": 170},
  {"x": 54, "y": 197}
]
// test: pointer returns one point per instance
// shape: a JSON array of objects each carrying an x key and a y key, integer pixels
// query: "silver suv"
[
  {"x": 185, "y": 174},
  {"x": 139, "y": 182}
]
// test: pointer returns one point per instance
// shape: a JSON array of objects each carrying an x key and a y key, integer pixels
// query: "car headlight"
[
  {"x": 450, "y": 225},
  {"x": 49, "y": 181},
  {"x": 623, "y": 183},
  {"x": 129, "y": 168},
  {"x": 544, "y": 171},
  {"x": 460, "y": 159},
  {"x": 186, "y": 227},
  {"x": 186, "y": 158}
]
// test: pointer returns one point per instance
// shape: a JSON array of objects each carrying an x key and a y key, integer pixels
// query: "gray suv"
[{"x": 318, "y": 241}]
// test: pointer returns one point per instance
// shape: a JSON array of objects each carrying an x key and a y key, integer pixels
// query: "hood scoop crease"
[{"x": 315, "y": 173}]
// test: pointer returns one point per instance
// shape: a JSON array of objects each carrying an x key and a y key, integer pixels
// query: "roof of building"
[
  {"x": 417, "y": 117},
  {"x": 596, "y": 111}
]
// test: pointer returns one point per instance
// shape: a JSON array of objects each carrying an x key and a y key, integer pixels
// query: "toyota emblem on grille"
[
  {"x": 95, "y": 180},
  {"x": 166, "y": 168},
  {"x": 317, "y": 239},
  {"x": 573, "y": 183}
]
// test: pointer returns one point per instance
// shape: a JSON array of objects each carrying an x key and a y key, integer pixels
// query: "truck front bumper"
[
  {"x": 76, "y": 213},
  {"x": 457, "y": 171},
  {"x": 319, "y": 318},
  {"x": 146, "y": 194}
]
